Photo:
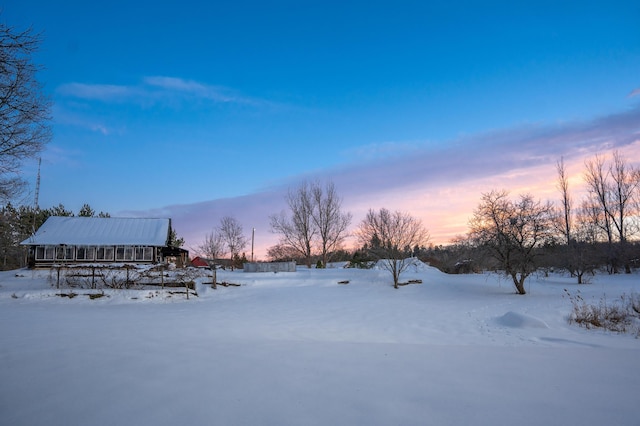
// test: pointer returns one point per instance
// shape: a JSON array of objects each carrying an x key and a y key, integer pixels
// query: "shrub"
[{"x": 621, "y": 316}]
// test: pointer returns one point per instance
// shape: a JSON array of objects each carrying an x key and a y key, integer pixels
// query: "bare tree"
[
  {"x": 572, "y": 252},
  {"x": 316, "y": 220},
  {"x": 213, "y": 246},
  {"x": 297, "y": 231},
  {"x": 566, "y": 202},
  {"x": 24, "y": 108},
  {"x": 512, "y": 231},
  {"x": 389, "y": 237},
  {"x": 232, "y": 235},
  {"x": 611, "y": 193},
  {"x": 625, "y": 183},
  {"x": 598, "y": 205},
  {"x": 583, "y": 253},
  {"x": 329, "y": 220}
]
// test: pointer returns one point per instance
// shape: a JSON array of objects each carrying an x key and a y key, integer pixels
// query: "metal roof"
[{"x": 58, "y": 230}]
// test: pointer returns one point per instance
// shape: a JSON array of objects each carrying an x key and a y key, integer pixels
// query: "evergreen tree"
[{"x": 86, "y": 211}]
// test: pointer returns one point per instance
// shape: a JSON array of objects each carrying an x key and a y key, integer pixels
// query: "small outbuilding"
[
  {"x": 101, "y": 240},
  {"x": 200, "y": 262},
  {"x": 270, "y": 266}
]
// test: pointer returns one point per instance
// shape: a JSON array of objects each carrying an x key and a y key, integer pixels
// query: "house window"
[
  {"x": 124, "y": 253},
  {"x": 64, "y": 252},
  {"x": 144, "y": 253},
  {"x": 85, "y": 253},
  {"x": 104, "y": 253},
  {"x": 45, "y": 252}
]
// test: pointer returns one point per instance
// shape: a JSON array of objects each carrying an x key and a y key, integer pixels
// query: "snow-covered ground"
[{"x": 301, "y": 349}]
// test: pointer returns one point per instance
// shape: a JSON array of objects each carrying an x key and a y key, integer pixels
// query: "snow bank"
[
  {"x": 414, "y": 265},
  {"x": 517, "y": 320}
]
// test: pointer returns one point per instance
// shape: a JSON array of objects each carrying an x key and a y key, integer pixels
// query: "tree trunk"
[
  {"x": 519, "y": 283},
  {"x": 396, "y": 274}
]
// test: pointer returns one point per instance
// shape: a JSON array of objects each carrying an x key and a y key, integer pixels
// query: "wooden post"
[
  {"x": 212, "y": 266},
  {"x": 162, "y": 275}
]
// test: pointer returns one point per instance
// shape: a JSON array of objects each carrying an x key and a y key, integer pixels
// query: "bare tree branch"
[{"x": 24, "y": 108}]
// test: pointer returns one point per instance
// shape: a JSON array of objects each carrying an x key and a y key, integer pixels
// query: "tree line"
[
  {"x": 519, "y": 236},
  {"x": 515, "y": 235}
]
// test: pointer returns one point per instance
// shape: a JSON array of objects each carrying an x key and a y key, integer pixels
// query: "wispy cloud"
[
  {"x": 88, "y": 106},
  {"x": 155, "y": 89},
  {"x": 383, "y": 150},
  {"x": 100, "y": 128},
  {"x": 100, "y": 92},
  {"x": 635, "y": 92},
  {"x": 443, "y": 185},
  {"x": 198, "y": 90},
  {"x": 70, "y": 117},
  {"x": 176, "y": 83}
]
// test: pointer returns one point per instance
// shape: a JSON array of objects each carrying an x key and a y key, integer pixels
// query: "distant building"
[
  {"x": 203, "y": 262},
  {"x": 200, "y": 262},
  {"x": 270, "y": 267},
  {"x": 102, "y": 240}
]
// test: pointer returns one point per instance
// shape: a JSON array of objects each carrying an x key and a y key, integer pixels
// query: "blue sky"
[{"x": 198, "y": 110}]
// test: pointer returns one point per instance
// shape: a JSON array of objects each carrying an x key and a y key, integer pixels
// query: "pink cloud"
[{"x": 441, "y": 186}]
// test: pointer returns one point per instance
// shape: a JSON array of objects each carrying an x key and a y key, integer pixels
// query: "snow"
[
  {"x": 299, "y": 348},
  {"x": 514, "y": 319}
]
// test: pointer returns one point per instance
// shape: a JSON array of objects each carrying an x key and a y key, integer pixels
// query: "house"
[{"x": 101, "y": 240}]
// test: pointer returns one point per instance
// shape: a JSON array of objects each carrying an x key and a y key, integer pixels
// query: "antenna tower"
[
  {"x": 35, "y": 207},
  {"x": 38, "y": 184}
]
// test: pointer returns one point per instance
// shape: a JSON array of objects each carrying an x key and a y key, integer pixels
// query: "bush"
[{"x": 621, "y": 316}]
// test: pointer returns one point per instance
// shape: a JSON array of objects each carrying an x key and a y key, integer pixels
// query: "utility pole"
[{"x": 253, "y": 235}]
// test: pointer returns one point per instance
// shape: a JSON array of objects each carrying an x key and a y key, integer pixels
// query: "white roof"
[{"x": 101, "y": 231}]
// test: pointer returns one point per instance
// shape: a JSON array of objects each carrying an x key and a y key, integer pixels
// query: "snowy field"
[{"x": 301, "y": 349}]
